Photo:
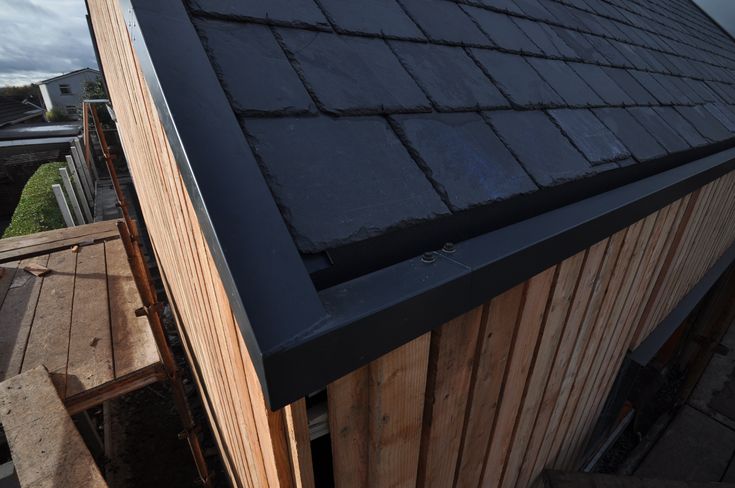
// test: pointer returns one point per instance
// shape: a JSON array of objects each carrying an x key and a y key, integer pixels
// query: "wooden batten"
[{"x": 490, "y": 398}]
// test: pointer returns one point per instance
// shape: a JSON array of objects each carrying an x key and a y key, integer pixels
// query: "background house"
[{"x": 65, "y": 91}]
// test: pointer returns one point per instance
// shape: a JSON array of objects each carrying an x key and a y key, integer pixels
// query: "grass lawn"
[{"x": 37, "y": 210}]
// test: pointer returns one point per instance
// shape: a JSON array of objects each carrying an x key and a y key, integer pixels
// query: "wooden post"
[
  {"x": 83, "y": 170},
  {"x": 87, "y": 160},
  {"x": 72, "y": 196},
  {"x": 63, "y": 206},
  {"x": 79, "y": 189},
  {"x": 79, "y": 180}
]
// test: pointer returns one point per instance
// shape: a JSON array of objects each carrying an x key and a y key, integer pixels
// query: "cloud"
[{"x": 42, "y": 38}]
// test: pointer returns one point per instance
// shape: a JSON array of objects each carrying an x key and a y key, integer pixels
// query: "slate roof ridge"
[
  {"x": 573, "y": 6},
  {"x": 566, "y": 26},
  {"x": 681, "y": 18},
  {"x": 653, "y": 19}
]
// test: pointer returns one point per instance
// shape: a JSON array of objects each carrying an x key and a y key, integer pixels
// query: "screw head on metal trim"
[
  {"x": 449, "y": 247},
  {"x": 428, "y": 257}
]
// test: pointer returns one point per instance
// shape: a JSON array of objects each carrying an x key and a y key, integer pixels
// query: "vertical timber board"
[
  {"x": 396, "y": 389},
  {"x": 525, "y": 346},
  {"x": 452, "y": 357},
  {"x": 494, "y": 346},
  {"x": 260, "y": 447},
  {"x": 555, "y": 322},
  {"x": 376, "y": 419},
  {"x": 574, "y": 332}
]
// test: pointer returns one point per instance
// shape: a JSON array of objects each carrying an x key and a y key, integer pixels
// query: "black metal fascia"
[
  {"x": 371, "y": 315},
  {"x": 300, "y": 339}
]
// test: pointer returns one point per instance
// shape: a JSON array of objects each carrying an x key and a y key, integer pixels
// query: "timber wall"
[{"x": 488, "y": 399}]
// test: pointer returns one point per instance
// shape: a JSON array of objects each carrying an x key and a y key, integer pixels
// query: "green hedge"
[{"x": 37, "y": 210}]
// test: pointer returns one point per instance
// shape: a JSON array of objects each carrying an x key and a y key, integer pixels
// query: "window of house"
[
  {"x": 65, "y": 89},
  {"x": 71, "y": 109}
]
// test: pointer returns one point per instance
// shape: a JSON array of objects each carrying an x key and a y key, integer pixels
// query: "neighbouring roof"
[
  {"x": 372, "y": 117},
  {"x": 41, "y": 131},
  {"x": 70, "y": 73},
  {"x": 13, "y": 111}
]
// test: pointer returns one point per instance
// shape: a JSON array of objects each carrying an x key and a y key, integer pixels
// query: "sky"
[
  {"x": 721, "y": 10},
  {"x": 42, "y": 38}
]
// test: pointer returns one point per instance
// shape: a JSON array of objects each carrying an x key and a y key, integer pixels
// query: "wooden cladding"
[
  {"x": 488, "y": 399},
  {"x": 259, "y": 447},
  {"x": 496, "y": 395}
]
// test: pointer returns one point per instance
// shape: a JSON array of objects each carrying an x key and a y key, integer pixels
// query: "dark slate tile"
[
  {"x": 535, "y": 9},
  {"x": 540, "y": 147},
  {"x": 629, "y": 85},
  {"x": 353, "y": 74},
  {"x": 721, "y": 89},
  {"x": 722, "y": 113},
  {"x": 517, "y": 79},
  {"x": 341, "y": 180},
  {"x": 659, "y": 129},
  {"x": 637, "y": 139},
  {"x": 590, "y": 136},
  {"x": 449, "y": 77},
  {"x": 504, "y": 5},
  {"x": 609, "y": 51},
  {"x": 501, "y": 29},
  {"x": 580, "y": 45},
  {"x": 681, "y": 126},
  {"x": 545, "y": 38},
  {"x": 444, "y": 21},
  {"x": 631, "y": 55},
  {"x": 653, "y": 87},
  {"x": 672, "y": 87},
  {"x": 566, "y": 82},
  {"x": 288, "y": 12},
  {"x": 235, "y": 48},
  {"x": 602, "y": 84},
  {"x": 465, "y": 158},
  {"x": 384, "y": 17}
]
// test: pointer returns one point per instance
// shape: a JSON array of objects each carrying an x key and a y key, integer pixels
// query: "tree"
[
  {"x": 22, "y": 92},
  {"x": 57, "y": 115},
  {"x": 94, "y": 89}
]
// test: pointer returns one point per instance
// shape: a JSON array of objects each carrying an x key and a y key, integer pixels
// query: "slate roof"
[
  {"x": 13, "y": 111},
  {"x": 368, "y": 116}
]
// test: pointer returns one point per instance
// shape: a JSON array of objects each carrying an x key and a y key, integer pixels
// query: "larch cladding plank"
[
  {"x": 568, "y": 393},
  {"x": 525, "y": 345},
  {"x": 452, "y": 357},
  {"x": 7, "y": 273},
  {"x": 494, "y": 348},
  {"x": 553, "y": 329},
  {"x": 47, "y": 449},
  {"x": 297, "y": 423},
  {"x": 396, "y": 388},
  {"x": 16, "y": 315},
  {"x": 548, "y": 416},
  {"x": 52, "y": 240},
  {"x": 48, "y": 343},
  {"x": 348, "y": 426},
  {"x": 600, "y": 336},
  {"x": 90, "y": 343},
  {"x": 132, "y": 339},
  {"x": 255, "y": 443},
  {"x": 376, "y": 417}
]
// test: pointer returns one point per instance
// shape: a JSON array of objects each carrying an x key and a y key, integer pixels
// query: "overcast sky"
[
  {"x": 42, "y": 38},
  {"x": 722, "y": 10}
]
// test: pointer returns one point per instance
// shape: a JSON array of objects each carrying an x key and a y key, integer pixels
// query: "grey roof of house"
[
  {"x": 370, "y": 117},
  {"x": 12, "y": 111},
  {"x": 64, "y": 75}
]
